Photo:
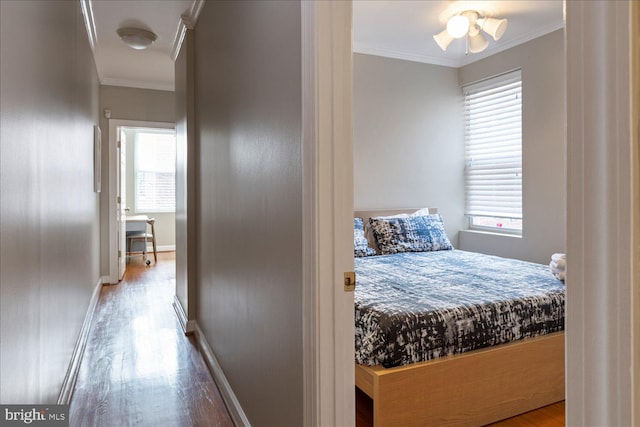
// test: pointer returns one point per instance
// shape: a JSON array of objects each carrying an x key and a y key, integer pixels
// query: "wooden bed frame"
[{"x": 469, "y": 389}]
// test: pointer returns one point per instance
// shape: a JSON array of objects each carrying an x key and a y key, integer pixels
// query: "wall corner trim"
[
  {"x": 602, "y": 206},
  {"x": 233, "y": 405},
  {"x": 69, "y": 382},
  {"x": 187, "y": 22},
  {"x": 188, "y": 326},
  {"x": 108, "y": 280}
]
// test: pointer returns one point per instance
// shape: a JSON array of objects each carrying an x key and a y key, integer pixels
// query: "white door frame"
[
  {"x": 327, "y": 151},
  {"x": 121, "y": 190},
  {"x": 114, "y": 124},
  {"x": 635, "y": 194},
  {"x": 603, "y": 306}
]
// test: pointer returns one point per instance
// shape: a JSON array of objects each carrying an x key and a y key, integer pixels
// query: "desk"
[
  {"x": 136, "y": 228},
  {"x": 137, "y": 223}
]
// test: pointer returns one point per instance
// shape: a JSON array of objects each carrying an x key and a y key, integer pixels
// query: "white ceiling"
[
  {"x": 396, "y": 29},
  {"x": 405, "y": 29},
  {"x": 120, "y": 65}
]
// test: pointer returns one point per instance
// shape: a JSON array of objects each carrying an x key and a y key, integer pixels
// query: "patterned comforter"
[{"x": 411, "y": 307}]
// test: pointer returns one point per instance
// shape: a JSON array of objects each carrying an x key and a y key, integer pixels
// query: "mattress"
[{"x": 412, "y": 307}]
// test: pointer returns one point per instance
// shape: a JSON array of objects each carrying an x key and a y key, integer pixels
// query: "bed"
[{"x": 443, "y": 359}]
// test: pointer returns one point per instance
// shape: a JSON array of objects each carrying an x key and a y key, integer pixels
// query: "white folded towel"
[
  {"x": 554, "y": 268},
  {"x": 558, "y": 265}
]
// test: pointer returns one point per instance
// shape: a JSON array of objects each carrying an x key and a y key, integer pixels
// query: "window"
[
  {"x": 493, "y": 153},
  {"x": 155, "y": 171}
]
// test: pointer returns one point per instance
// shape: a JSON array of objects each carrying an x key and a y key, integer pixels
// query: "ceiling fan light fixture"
[
  {"x": 477, "y": 42},
  {"x": 136, "y": 38},
  {"x": 494, "y": 27},
  {"x": 458, "y": 26},
  {"x": 443, "y": 39},
  {"x": 470, "y": 24}
]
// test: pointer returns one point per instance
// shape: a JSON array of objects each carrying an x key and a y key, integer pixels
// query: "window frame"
[
  {"x": 137, "y": 156},
  {"x": 512, "y": 82},
  {"x": 490, "y": 229}
]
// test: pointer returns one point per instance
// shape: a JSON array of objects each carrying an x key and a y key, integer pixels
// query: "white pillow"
[{"x": 421, "y": 212}]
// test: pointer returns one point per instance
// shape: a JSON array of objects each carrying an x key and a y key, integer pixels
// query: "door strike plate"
[{"x": 349, "y": 281}]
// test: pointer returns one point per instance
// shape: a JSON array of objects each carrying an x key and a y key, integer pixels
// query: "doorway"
[
  {"x": 147, "y": 188},
  {"x": 598, "y": 211},
  {"x": 140, "y": 159}
]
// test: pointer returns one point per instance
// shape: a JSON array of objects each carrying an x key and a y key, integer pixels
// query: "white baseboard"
[
  {"x": 69, "y": 382},
  {"x": 188, "y": 326},
  {"x": 233, "y": 406},
  {"x": 108, "y": 280}
]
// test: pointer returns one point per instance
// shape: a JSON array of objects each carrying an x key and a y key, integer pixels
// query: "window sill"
[
  {"x": 491, "y": 233},
  {"x": 144, "y": 212}
]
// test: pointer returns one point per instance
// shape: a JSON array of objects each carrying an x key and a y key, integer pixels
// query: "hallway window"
[{"x": 155, "y": 171}]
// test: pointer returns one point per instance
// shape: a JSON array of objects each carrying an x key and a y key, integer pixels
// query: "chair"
[{"x": 144, "y": 237}]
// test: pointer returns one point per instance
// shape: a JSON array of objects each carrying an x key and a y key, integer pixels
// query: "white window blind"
[
  {"x": 493, "y": 141},
  {"x": 155, "y": 172}
]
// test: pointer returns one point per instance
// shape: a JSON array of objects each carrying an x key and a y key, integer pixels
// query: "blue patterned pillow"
[
  {"x": 360, "y": 244},
  {"x": 410, "y": 234}
]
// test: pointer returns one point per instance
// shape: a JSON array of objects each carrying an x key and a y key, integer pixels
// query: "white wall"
[
  {"x": 127, "y": 104},
  {"x": 49, "y": 214},
  {"x": 408, "y": 137},
  {"x": 543, "y": 149},
  {"x": 248, "y": 105}
]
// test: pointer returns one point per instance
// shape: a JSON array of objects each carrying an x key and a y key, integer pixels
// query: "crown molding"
[
  {"x": 500, "y": 47},
  {"x": 138, "y": 84},
  {"x": 178, "y": 39},
  {"x": 186, "y": 22},
  {"x": 194, "y": 13},
  {"x": 455, "y": 62},
  {"x": 407, "y": 56},
  {"x": 92, "y": 35}
]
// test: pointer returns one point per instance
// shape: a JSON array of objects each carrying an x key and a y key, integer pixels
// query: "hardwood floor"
[
  {"x": 549, "y": 416},
  {"x": 139, "y": 369}
]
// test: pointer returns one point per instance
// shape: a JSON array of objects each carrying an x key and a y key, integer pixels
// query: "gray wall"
[
  {"x": 49, "y": 250},
  {"x": 409, "y": 143},
  {"x": 126, "y": 104},
  {"x": 543, "y": 149},
  {"x": 249, "y": 179},
  {"x": 185, "y": 177},
  {"x": 408, "y": 137}
]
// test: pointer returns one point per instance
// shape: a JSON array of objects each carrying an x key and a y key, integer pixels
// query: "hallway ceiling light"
[
  {"x": 470, "y": 24},
  {"x": 137, "y": 38}
]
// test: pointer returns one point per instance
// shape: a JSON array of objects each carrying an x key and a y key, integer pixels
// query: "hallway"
[{"x": 139, "y": 369}]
